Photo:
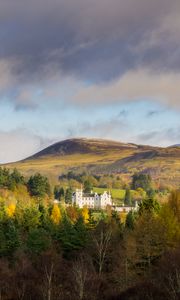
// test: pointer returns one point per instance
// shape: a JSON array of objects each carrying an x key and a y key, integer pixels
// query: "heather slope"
[{"x": 103, "y": 156}]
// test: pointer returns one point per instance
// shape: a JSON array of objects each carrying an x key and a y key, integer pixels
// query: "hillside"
[{"x": 103, "y": 156}]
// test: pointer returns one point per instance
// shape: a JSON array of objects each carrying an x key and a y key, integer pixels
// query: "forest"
[{"x": 57, "y": 251}]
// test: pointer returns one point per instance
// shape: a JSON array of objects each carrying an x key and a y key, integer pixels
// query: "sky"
[{"x": 86, "y": 68}]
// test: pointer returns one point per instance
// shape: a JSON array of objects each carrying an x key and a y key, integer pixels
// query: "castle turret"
[{"x": 77, "y": 197}]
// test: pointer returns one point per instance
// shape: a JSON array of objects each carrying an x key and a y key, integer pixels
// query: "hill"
[{"x": 100, "y": 156}]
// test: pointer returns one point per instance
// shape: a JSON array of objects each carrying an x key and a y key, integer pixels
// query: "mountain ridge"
[
  {"x": 84, "y": 145},
  {"x": 100, "y": 156}
]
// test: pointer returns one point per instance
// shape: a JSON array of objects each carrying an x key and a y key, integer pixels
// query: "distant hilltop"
[
  {"x": 98, "y": 156},
  {"x": 82, "y": 146}
]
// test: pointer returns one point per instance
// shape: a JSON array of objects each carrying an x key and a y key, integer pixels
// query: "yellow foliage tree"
[
  {"x": 10, "y": 210},
  {"x": 85, "y": 214},
  {"x": 123, "y": 216},
  {"x": 56, "y": 214}
]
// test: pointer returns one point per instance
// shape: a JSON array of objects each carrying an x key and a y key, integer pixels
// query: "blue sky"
[{"x": 88, "y": 69}]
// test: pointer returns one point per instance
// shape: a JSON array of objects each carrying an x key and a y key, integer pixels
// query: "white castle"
[{"x": 91, "y": 200}]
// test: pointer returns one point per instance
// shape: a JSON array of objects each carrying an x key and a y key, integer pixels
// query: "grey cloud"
[
  {"x": 118, "y": 130},
  {"x": 164, "y": 137},
  {"x": 95, "y": 39},
  {"x": 153, "y": 113},
  {"x": 123, "y": 113},
  {"x": 91, "y": 41}
]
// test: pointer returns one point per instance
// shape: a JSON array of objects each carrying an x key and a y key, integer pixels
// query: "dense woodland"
[{"x": 58, "y": 251}]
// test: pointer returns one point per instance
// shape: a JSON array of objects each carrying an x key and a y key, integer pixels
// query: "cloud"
[
  {"x": 7, "y": 80},
  {"x": 164, "y": 137},
  {"x": 22, "y": 142},
  {"x": 88, "y": 38},
  {"x": 89, "y": 42},
  {"x": 100, "y": 129},
  {"x": 153, "y": 113},
  {"x": 135, "y": 85}
]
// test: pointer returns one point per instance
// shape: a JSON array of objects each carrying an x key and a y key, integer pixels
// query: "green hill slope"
[{"x": 102, "y": 157}]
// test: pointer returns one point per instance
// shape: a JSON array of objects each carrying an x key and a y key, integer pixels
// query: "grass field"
[{"x": 117, "y": 194}]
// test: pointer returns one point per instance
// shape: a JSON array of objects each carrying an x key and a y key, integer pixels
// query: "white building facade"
[
  {"x": 126, "y": 209},
  {"x": 91, "y": 200}
]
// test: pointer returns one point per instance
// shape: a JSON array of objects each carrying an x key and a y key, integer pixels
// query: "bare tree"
[
  {"x": 101, "y": 242},
  {"x": 21, "y": 291},
  {"x": 80, "y": 276},
  {"x": 48, "y": 281},
  {"x": 174, "y": 284}
]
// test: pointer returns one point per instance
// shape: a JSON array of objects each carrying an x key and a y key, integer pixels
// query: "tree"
[
  {"x": 38, "y": 241},
  {"x": 49, "y": 278},
  {"x": 4, "y": 177},
  {"x": 9, "y": 238},
  {"x": 31, "y": 218},
  {"x": 38, "y": 185},
  {"x": 128, "y": 198},
  {"x": 87, "y": 186},
  {"x": 141, "y": 180},
  {"x": 81, "y": 234},
  {"x": 68, "y": 196},
  {"x": 170, "y": 223},
  {"x": 130, "y": 220},
  {"x": 56, "y": 214},
  {"x": 66, "y": 236},
  {"x": 11, "y": 210},
  {"x": 101, "y": 243},
  {"x": 80, "y": 276},
  {"x": 72, "y": 213},
  {"x": 10, "y": 180},
  {"x": 150, "y": 205},
  {"x": 71, "y": 236},
  {"x": 85, "y": 214},
  {"x": 174, "y": 203},
  {"x": 149, "y": 241},
  {"x": 15, "y": 179},
  {"x": 58, "y": 192}
]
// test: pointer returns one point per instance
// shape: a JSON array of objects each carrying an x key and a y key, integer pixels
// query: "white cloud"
[
  {"x": 134, "y": 85},
  {"x": 19, "y": 144}
]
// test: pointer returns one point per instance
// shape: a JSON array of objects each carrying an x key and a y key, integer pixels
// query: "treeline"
[
  {"x": 53, "y": 252},
  {"x": 102, "y": 181},
  {"x": 37, "y": 185},
  {"x": 112, "y": 181}
]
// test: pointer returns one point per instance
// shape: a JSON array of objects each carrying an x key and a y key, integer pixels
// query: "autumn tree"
[
  {"x": 56, "y": 214},
  {"x": 85, "y": 214},
  {"x": 149, "y": 241},
  {"x": 149, "y": 205},
  {"x": 174, "y": 203},
  {"x": 10, "y": 210}
]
